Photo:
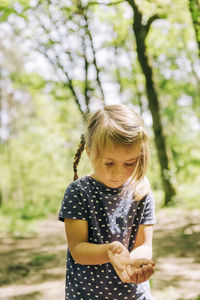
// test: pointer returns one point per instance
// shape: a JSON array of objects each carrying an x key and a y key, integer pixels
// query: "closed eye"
[
  {"x": 109, "y": 164},
  {"x": 130, "y": 165}
]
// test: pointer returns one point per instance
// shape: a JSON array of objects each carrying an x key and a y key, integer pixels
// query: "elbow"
[
  {"x": 77, "y": 256},
  {"x": 78, "y": 259}
]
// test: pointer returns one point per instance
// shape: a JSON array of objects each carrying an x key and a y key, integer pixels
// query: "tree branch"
[
  {"x": 106, "y": 4},
  {"x": 56, "y": 63},
  {"x": 150, "y": 21},
  {"x": 86, "y": 64},
  {"x": 95, "y": 60}
]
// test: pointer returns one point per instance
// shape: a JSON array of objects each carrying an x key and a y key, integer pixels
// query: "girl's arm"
[
  {"x": 82, "y": 251},
  {"x": 143, "y": 244},
  {"x": 86, "y": 253},
  {"x": 142, "y": 254}
]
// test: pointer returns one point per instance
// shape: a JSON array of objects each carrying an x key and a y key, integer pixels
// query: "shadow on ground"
[
  {"x": 177, "y": 255},
  {"x": 34, "y": 267}
]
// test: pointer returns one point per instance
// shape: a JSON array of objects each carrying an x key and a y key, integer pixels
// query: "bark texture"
[
  {"x": 194, "y": 6},
  {"x": 141, "y": 32}
]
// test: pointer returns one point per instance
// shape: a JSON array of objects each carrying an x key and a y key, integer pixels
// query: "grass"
[
  {"x": 19, "y": 221},
  {"x": 39, "y": 259}
]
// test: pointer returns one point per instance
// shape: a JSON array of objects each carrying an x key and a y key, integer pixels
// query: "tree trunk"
[
  {"x": 194, "y": 6},
  {"x": 141, "y": 32},
  {"x": 1, "y": 127}
]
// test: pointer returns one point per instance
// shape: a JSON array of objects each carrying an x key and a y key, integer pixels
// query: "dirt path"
[{"x": 34, "y": 267}]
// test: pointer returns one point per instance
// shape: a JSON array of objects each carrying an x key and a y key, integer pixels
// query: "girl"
[{"x": 109, "y": 215}]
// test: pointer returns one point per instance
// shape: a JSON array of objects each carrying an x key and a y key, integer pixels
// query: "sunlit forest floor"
[{"x": 33, "y": 267}]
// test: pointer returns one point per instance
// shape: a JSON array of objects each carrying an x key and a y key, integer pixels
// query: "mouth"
[{"x": 116, "y": 181}]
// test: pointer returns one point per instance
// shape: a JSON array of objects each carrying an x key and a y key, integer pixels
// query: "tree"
[
  {"x": 58, "y": 24},
  {"x": 194, "y": 6},
  {"x": 64, "y": 37},
  {"x": 141, "y": 32},
  {"x": 8, "y": 7},
  {"x": 67, "y": 36}
]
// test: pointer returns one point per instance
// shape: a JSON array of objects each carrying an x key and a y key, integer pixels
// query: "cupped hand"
[
  {"x": 119, "y": 258},
  {"x": 140, "y": 270}
]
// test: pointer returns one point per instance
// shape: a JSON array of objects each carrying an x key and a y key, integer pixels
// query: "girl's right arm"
[
  {"x": 82, "y": 251},
  {"x": 86, "y": 253}
]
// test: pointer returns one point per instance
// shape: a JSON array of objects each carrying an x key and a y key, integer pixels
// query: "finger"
[
  {"x": 126, "y": 260},
  {"x": 140, "y": 276},
  {"x": 138, "y": 263},
  {"x": 129, "y": 270},
  {"x": 149, "y": 262},
  {"x": 145, "y": 272},
  {"x": 143, "y": 261},
  {"x": 152, "y": 263},
  {"x": 118, "y": 250},
  {"x": 150, "y": 267},
  {"x": 118, "y": 264},
  {"x": 137, "y": 276},
  {"x": 124, "y": 276},
  {"x": 134, "y": 277},
  {"x": 112, "y": 248},
  {"x": 150, "y": 271}
]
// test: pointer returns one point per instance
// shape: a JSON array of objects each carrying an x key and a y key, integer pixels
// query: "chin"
[{"x": 115, "y": 184}]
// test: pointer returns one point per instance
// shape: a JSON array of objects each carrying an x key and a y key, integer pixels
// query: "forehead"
[{"x": 122, "y": 153}]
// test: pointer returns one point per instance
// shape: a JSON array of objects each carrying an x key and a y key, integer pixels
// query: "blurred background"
[{"x": 60, "y": 60}]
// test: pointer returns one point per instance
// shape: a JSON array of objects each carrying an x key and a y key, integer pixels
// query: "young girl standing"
[{"x": 109, "y": 215}]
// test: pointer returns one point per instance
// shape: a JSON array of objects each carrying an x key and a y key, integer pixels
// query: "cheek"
[
  {"x": 103, "y": 170},
  {"x": 107, "y": 170},
  {"x": 130, "y": 171}
]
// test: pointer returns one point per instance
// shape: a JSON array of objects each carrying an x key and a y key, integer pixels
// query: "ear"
[{"x": 87, "y": 151}]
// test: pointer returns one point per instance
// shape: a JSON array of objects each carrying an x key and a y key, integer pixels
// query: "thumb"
[{"x": 143, "y": 261}]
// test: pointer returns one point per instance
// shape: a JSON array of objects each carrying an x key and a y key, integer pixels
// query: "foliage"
[
  {"x": 39, "y": 258},
  {"x": 44, "y": 120},
  {"x": 8, "y": 7},
  {"x": 37, "y": 160},
  {"x": 62, "y": 34},
  {"x": 194, "y": 6}
]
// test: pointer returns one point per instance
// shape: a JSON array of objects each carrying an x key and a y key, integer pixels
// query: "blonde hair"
[{"x": 119, "y": 124}]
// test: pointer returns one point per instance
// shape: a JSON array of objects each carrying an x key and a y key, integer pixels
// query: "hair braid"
[{"x": 78, "y": 156}]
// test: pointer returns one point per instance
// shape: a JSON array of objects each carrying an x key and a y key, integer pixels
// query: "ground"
[{"x": 33, "y": 267}]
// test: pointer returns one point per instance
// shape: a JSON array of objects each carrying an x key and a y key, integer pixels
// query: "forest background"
[{"x": 59, "y": 60}]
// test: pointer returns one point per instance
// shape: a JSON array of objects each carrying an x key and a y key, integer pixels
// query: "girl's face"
[{"x": 116, "y": 165}]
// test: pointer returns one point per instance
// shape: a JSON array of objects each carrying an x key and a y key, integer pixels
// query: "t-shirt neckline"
[{"x": 105, "y": 187}]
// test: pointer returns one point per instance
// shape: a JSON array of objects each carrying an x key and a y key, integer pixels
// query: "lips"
[{"x": 116, "y": 181}]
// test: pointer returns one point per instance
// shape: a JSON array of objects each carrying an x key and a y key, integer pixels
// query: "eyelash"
[
  {"x": 130, "y": 165},
  {"x": 127, "y": 165},
  {"x": 108, "y": 164}
]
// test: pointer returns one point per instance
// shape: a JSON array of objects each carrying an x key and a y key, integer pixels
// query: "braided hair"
[
  {"x": 78, "y": 156},
  {"x": 120, "y": 125}
]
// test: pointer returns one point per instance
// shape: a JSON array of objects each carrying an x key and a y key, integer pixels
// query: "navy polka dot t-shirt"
[{"x": 111, "y": 216}]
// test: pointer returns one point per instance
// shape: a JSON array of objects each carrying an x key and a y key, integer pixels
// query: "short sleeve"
[
  {"x": 72, "y": 204},
  {"x": 148, "y": 216}
]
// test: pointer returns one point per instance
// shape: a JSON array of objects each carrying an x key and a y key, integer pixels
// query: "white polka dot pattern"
[{"x": 110, "y": 217}]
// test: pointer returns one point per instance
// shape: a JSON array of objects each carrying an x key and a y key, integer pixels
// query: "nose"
[{"x": 116, "y": 172}]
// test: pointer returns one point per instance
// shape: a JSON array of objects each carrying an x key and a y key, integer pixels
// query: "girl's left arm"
[
  {"x": 143, "y": 243},
  {"x": 142, "y": 254}
]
